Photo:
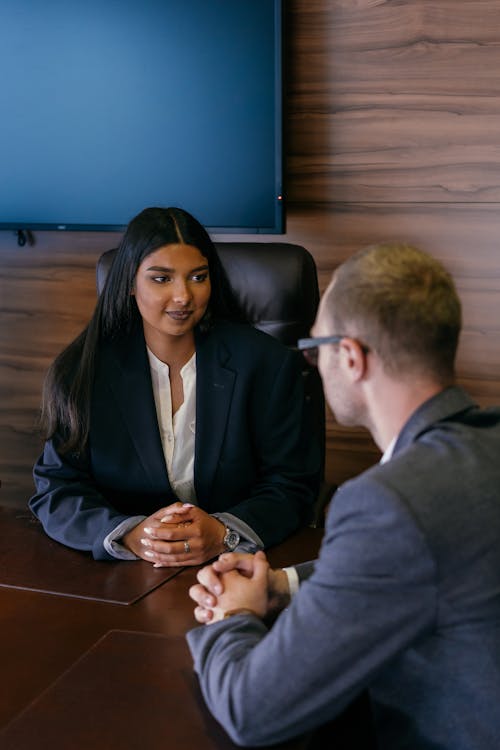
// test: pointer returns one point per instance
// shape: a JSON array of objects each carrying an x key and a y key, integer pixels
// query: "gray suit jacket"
[{"x": 404, "y": 600}]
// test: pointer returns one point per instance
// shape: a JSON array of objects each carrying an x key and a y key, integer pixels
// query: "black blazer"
[{"x": 255, "y": 452}]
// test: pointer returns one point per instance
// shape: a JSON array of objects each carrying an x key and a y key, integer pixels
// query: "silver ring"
[{"x": 187, "y": 548}]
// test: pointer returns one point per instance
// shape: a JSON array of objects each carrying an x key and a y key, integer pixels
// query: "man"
[{"x": 404, "y": 599}]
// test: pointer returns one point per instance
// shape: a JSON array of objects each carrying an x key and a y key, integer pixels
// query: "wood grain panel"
[
  {"x": 394, "y": 101},
  {"x": 463, "y": 237},
  {"x": 47, "y": 293},
  {"x": 387, "y": 154}
]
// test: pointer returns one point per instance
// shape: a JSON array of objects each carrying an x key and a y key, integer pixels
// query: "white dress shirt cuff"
[
  {"x": 113, "y": 547},
  {"x": 293, "y": 580}
]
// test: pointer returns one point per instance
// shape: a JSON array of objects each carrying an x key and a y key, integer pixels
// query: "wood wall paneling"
[
  {"x": 393, "y": 123},
  {"x": 394, "y": 101},
  {"x": 47, "y": 293},
  {"x": 392, "y": 130}
]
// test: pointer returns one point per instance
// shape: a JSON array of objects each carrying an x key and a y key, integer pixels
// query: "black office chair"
[{"x": 276, "y": 285}]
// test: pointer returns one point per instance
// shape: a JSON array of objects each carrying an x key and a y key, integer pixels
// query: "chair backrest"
[{"x": 276, "y": 284}]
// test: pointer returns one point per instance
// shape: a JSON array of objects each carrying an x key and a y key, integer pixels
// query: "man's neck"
[{"x": 391, "y": 403}]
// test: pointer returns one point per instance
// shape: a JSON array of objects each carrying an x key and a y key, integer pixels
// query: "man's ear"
[{"x": 353, "y": 358}]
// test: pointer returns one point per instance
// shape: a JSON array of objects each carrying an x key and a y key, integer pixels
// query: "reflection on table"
[{"x": 61, "y": 662}]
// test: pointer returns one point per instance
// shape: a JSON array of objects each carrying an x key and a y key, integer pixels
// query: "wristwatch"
[{"x": 231, "y": 539}]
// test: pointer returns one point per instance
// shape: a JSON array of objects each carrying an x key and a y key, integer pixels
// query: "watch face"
[{"x": 231, "y": 540}]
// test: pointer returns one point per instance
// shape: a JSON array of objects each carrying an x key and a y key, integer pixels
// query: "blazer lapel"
[
  {"x": 444, "y": 405},
  {"x": 130, "y": 383},
  {"x": 214, "y": 391}
]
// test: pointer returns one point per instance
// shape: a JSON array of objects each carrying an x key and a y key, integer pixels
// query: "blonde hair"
[{"x": 401, "y": 303}]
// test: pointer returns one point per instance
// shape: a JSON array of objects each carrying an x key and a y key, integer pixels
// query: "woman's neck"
[{"x": 174, "y": 351}]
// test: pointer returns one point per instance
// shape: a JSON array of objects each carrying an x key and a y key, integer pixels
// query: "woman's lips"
[{"x": 179, "y": 314}]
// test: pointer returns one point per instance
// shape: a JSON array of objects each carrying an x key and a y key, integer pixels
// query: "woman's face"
[{"x": 172, "y": 290}]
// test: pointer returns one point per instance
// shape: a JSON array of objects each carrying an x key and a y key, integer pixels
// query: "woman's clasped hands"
[{"x": 179, "y": 534}]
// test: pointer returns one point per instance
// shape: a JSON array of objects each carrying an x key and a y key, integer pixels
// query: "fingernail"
[
  {"x": 146, "y": 542},
  {"x": 148, "y": 530},
  {"x": 149, "y": 553},
  {"x": 218, "y": 589},
  {"x": 188, "y": 505}
]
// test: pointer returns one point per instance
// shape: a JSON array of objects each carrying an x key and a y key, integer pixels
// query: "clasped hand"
[
  {"x": 179, "y": 534},
  {"x": 236, "y": 582}
]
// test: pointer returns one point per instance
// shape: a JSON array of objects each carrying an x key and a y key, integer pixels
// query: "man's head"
[{"x": 401, "y": 306}]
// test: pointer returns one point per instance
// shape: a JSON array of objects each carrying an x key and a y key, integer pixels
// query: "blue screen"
[{"x": 109, "y": 106}]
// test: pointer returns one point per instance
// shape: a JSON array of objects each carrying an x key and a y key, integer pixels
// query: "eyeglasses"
[{"x": 310, "y": 347}]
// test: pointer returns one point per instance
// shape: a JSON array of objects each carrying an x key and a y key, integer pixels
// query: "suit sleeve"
[
  {"x": 69, "y": 505},
  {"x": 287, "y": 457},
  {"x": 372, "y": 593}
]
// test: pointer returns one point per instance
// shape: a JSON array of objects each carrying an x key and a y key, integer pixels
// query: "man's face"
[
  {"x": 333, "y": 365},
  {"x": 328, "y": 361}
]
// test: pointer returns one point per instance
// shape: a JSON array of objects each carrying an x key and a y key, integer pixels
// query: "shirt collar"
[
  {"x": 159, "y": 366},
  {"x": 389, "y": 450}
]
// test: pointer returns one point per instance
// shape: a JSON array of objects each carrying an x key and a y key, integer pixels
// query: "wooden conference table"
[{"x": 93, "y": 654}]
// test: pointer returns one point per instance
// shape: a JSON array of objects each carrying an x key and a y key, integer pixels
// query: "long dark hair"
[{"x": 68, "y": 385}]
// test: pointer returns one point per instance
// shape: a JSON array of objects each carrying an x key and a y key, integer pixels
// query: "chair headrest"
[{"x": 275, "y": 282}]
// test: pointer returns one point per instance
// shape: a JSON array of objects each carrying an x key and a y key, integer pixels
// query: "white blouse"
[{"x": 177, "y": 431}]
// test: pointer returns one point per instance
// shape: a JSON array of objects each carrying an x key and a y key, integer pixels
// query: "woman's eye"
[
  {"x": 160, "y": 279},
  {"x": 199, "y": 277}
]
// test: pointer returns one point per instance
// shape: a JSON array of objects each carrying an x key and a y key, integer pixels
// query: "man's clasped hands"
[{"x": 239, "y": 583}]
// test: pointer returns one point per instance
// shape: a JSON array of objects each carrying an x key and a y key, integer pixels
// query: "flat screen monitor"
[{"x": 110, "y": 106}]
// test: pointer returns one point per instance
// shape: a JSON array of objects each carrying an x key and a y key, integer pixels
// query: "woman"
[{"x": 173, "y": 433}]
